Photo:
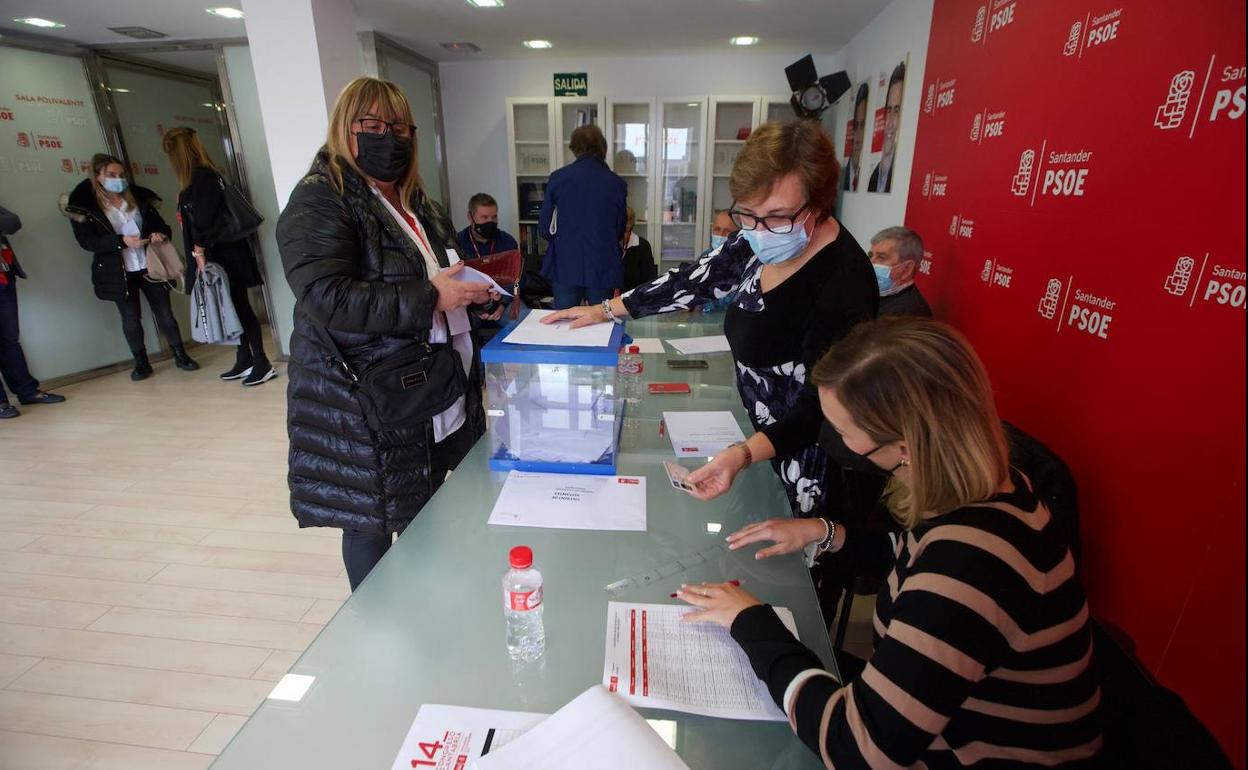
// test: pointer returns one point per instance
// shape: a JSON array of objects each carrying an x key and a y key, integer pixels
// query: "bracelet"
[
  {"x": 826, "y": 543},
  {"x": 749, "y": 456},
  {"x": 606, "y": 310}
]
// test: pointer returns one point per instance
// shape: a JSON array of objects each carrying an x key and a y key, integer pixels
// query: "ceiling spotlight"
[
  {"x": 744, "y": 40},
  {"x": 120, "y": 90},
  {"x": 44, "y": 23},
  {"x": 486, "y": 3},
  {"x": 537, "y": 44},
  {"x": 226, "y": 13}
]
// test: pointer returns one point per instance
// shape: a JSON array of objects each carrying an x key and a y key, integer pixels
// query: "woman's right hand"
[
  {"x": 716, "y": 477},
  {"x": 788, "y": 535},
  {"x": 581, "y": 315},
  {"x": 133, "y": 241},
  {"x": 453, "y": 294}
]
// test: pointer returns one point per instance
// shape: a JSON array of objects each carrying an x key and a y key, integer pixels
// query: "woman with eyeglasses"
[
  {"x": 201, "y": 206},
  {"x": 385, "y": 381},
  {"x": 801, "y": 283}
]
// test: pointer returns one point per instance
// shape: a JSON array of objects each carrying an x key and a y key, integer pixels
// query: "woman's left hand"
[
  {"x": 498, "y": 311},
  {"x": 716, "y": 602},
  {"x": 157, "y": 238},
  {"x": 581, "y": 315}
]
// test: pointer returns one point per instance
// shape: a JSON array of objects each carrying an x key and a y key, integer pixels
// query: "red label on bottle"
[{"x": 523, "y": 601}]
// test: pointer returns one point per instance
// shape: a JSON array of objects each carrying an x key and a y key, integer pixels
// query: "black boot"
[
  {"x": 142, "y": 367},
  {"x": 183, "y": 361},
  {"x": 242, "y": 364}
]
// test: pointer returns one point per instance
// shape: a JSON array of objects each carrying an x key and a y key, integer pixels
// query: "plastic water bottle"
[
  {"x": 522, "y": 606},
  {"x": 630, "y": 368}
]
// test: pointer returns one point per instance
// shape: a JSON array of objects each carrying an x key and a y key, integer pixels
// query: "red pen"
[
  {"x": 736, "y": 583},
  {"x": 662, "y": 427}
]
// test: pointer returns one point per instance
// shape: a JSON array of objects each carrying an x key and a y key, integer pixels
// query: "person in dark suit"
[
  {"x": 895, "y": 255},
  {"x": 584, "y": 217},
  {"x": 857, "y": 136},
  {"x": 13, "y": 369},
  {"x": 639, "y": 266},
  {"x": 882, "y": 176}
]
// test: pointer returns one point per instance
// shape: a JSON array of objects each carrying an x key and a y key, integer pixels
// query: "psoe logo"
[
  {"x": 1170, "y": 113},
  {"x": 985, "y": 275},
  {"x": 927, "y": 184},
  {"x": 962, "y": 227},
  {"x": 975, "y": 125},
  {"x": 953, "y": 226},
  {"x": 1022, "y": 178},
  {"x": 945, "y": 93},
  {"x": 23, "y": 139},
  {"x": 6, "y": 113},
  {"x": 1072, "y": 43},
  {"x": 1177, "y": 281},
  {"x": 930, "y": 101},
  {"x": 925, "y": 265},
  {"x": 1002, "y": 16},
  {"x": 981, "y": 17},
  {"x": 1048, "y": 303}
]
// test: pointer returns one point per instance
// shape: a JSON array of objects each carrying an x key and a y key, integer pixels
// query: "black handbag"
[
  {"x": 238, "y": 218},
  {"x": 405, "y": 389}
]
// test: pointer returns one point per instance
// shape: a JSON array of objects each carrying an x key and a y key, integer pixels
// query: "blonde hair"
[
  {"x": 355, "y": 101},
  {"x": 101, "y": 161},
  {"x": 919, "y": 382},
  {"x": 186, "y": 153},
  {"x": 776, "y": 149}
]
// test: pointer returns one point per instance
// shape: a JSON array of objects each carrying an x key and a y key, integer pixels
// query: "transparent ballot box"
[{"x": 553, "y": 409}]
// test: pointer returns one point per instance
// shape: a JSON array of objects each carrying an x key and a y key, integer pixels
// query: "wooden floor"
[{"x": 153, "y": 584}]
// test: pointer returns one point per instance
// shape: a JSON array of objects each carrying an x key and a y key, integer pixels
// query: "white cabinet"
[{"x": 539, "y": 130}]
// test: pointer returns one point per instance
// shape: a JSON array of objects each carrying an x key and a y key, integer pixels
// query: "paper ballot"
[
  {"x": 649, "y": 345},
  {"x": 595, "y": 730},
  {"x": 571, "y": 501},
  {"x": 473, "y": 275},
  {"x": 447, "y": 737},
  {"x": 531, "y": 331},
  {"x": 693, "y": 345},
  {"x": 701, "y": 434},
  {"x": 654, "y": 660}
]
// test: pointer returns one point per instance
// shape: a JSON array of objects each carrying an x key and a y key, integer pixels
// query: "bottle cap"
[
  {"x": 521, "y": 557},
  {"x": 634, "y": 349}
]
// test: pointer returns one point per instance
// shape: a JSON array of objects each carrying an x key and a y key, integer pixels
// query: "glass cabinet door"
[
  {"x": 680, "y": 179},
  {"x": 631, "y": 131},
  {"x": 531, "y": 135},
  {"x": 778, "y": 108},
  {"x": 732, "y": 120},
  {"x": 573, "y": 114}
]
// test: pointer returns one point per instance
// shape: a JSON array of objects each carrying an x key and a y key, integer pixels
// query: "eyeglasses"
[
  {"x": 778, "y": 224},
  {"x": 376, "y": 126}
]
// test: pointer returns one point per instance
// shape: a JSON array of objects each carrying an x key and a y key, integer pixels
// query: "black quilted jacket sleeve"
[{"x": 321, "y": 249}]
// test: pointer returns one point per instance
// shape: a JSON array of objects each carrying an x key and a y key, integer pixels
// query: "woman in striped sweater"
[{"x": 982, "y": 644}]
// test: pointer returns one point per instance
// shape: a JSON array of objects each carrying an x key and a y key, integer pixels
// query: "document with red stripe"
[{"x": 654, "y": 660}]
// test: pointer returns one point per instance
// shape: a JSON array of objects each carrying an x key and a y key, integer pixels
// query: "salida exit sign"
[{"x": 571, "y": 84}]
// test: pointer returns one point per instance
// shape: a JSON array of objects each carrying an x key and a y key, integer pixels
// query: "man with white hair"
[{"x": 895, "y": 255}]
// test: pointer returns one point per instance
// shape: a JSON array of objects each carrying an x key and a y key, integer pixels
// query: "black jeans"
[
  {"x": 13, "y": 369},
  {"x": 251, "y": 344},
  {"x": 132, "y": 312},
  {"x": 362, "y": 550}
]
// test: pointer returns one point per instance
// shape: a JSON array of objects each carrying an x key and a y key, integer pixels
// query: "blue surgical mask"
[
  {"x": 115, "y": 185},
  {"x": 884, "y": 278},
  {"x": 774, "y": 248},
  {"x": 718, "y": 240}
]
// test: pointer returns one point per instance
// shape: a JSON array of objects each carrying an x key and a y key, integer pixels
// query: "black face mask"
[
  {"x": 486, "y": 230},
  {"x": 384, "y": 157},
  {"x": 833, "y": 445}
]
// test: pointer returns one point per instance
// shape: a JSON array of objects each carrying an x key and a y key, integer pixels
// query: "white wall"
[
  {"x": 474, "y": 102},
  {"x": 903, "y": 27}
]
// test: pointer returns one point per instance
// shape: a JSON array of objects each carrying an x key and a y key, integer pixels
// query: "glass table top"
[{"x": 427, "y": 625}]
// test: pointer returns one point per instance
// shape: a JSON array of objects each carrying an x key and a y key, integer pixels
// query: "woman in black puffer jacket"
[
  {"x": 100, "y": 209},
  {"x": 367, "y": 255}
]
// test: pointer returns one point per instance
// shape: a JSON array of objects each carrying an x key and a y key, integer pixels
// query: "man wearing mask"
[
  {"x": 895, "y": 255},
  {"x": 722, "y": 228},
  {"x": 882, "y": 176},
  {"x": 482, "y": 237}
]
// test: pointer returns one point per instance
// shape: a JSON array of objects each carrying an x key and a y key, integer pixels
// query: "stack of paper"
[
  {"x": 572, "y": 501},
  {"x": 531, "y": 331},
  {"x": 595, "y": 730},
  {"x": 692, "y": 345},
  {"x": 701, "y": 434},
  {"x": 656, "y": 660},
  {"x": 446, "y": 737}
]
